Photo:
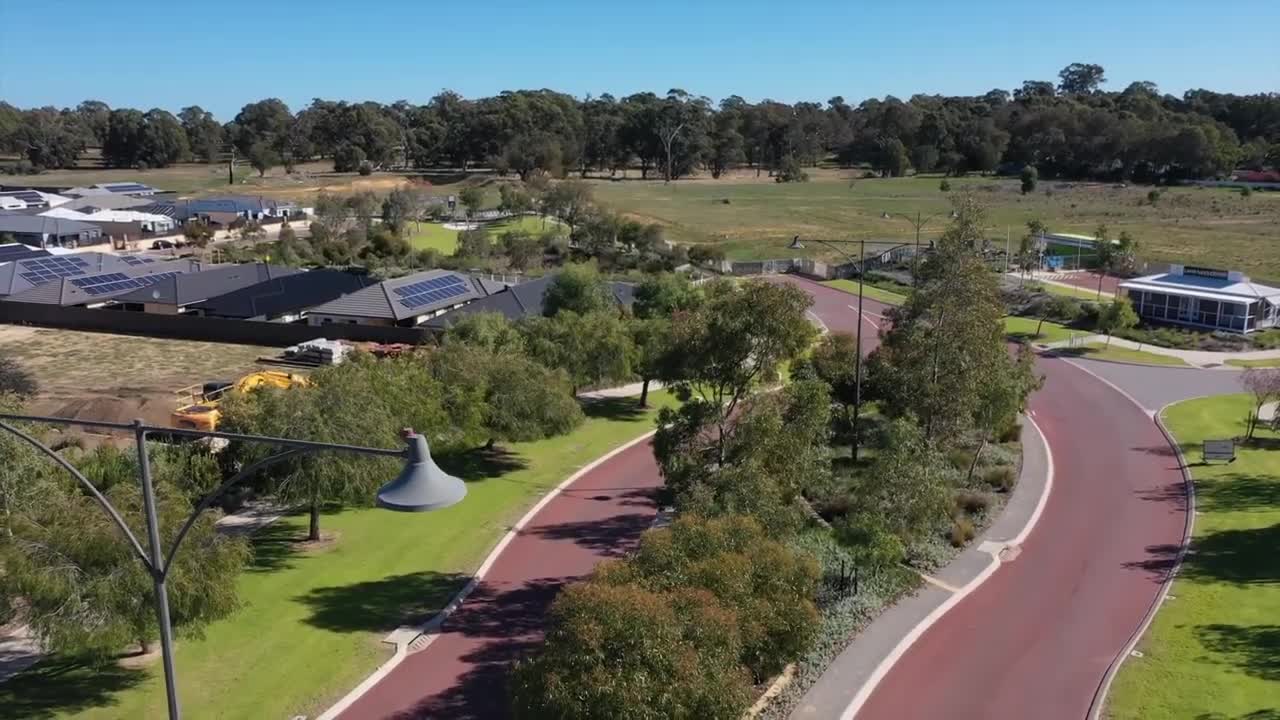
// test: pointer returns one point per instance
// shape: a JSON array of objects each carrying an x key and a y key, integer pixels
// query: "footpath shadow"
[
  {"x": 620, "y": 409},
  {"x": 58, "y": 687},
  {"x": 378, "y": 605},
  {"x": 1253, "y": 650},
  {"x": 510, "y": 625}
]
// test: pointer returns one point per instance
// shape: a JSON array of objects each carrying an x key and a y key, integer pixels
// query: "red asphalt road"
[
  {"x": 1035, "y": 640},
  {"x": 463, "y": 673},
  {"x": 1089, "y": 281}
]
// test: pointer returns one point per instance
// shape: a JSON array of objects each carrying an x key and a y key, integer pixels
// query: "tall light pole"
[
  {"x": 918, "y": 223},
  {"x": 420, "y": 486},
  {"x": 857, "y": 363}
]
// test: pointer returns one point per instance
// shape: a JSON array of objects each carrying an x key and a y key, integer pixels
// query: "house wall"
[{"x": 327, "y": 319}]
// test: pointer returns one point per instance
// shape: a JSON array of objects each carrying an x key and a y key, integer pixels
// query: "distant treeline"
[{"x": 1072, "y": 129}]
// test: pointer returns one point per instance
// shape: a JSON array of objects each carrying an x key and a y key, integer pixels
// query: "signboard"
[
  {"x": 1219, "y": 450},
  {"x": 1205, "y": 272}
]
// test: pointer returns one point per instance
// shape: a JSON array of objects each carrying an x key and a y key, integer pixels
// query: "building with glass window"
[{"x": 1205, "y": 298}]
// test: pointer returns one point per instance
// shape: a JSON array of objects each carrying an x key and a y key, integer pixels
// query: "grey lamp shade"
[{"x": 422, "y": 485}]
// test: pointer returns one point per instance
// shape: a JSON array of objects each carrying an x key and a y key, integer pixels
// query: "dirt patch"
[
  {"x": 328, "y": 540},
  {"x": 136, "y": 659}
]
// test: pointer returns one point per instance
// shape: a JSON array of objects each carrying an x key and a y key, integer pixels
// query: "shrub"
[
  {"x": 1009, "y": 433},
  {"x": 365, "y": 169},
  {"x": 960, "y": 459},
  {"x": 972, "y": 502},
  {"x": 1153, "y": 197},
  {"x": 1001, "y": 479},
  {"x": 1246, "y": 191},
  {"x": 945, "y": 185},
  {"x": 790, "y": 171},
  {"x": 348, "y": 158},
  {"x": 961, "y": 532}
]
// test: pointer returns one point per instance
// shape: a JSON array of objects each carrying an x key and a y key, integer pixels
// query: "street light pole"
[
  {"x": 918, "y": 223},
  {"x": 422, "y": 485}
]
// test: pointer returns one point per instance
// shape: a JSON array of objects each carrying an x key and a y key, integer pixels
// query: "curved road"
[{"x": 1037, "y": 637}]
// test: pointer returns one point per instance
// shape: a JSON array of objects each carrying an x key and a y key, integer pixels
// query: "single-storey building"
[
  {"x": 25, "y": 273},
  {"x": 1205, "y": 298},
  {"x": 71, "y": 281},
  {"x": 174, "y": 294},
  {"x": 521, "y": 300},
  {"x": 118, "y": 222},
  {"x": 405, "y": 301},
  {"x": 30, "y": 200},
  {"x": 44, "y": 232},
  {"x": 224, "y": 210},
  {"x": 284, "y": 298}
]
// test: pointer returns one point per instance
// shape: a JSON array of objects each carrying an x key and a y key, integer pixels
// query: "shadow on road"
[{"x": 602, "y": 536}]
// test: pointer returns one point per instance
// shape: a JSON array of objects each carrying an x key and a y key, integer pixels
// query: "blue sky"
[{"x": 221, "y": 55}]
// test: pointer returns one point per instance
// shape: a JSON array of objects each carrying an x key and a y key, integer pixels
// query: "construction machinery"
[{"x": 198, "y": 404}]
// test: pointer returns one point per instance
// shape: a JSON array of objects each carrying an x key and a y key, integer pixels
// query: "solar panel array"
[
  {"x": 116, "y": 282},
  {"x": 9, "y": 253},
  {"x": 136, "y": 260},
  {"x": 126, "y": 187},
  {"x": 428, "y": 292},
  {"x": 42, "y": 270},
  {"x": 30, "y": 197}
]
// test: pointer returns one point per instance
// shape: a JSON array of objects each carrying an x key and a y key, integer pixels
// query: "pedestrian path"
[{"x": 1195, "y": 358}]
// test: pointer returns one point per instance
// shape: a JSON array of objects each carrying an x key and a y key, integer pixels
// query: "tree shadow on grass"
[
  {"x": 59, "y": 686},
  {"x": 1252, "y": 649},
  {"x": 381, "y": 605},
  {"x": 274, "y": 546},
  {"x": 1264, "y": 714},
  {"x": 1238, "y": 492},
  {"x": 481, "y": 463},
  {"x": 1241, "y": 557},
  {"x": 618, "y": 409}
]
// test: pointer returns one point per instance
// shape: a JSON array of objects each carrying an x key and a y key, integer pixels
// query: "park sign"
[{"x": 1219, "y": 450}]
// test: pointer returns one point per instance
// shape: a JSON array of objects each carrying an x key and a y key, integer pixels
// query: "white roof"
[
  {"x": 1241, "y": 290},
  {"x": 119, "y": 216}
]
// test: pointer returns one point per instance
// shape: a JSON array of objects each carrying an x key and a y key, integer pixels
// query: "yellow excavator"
[{"x": 198, "y": 404}]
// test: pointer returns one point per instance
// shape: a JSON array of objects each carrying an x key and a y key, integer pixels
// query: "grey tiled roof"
[
  {"x": 381, "y": 301},
  {"x": 193, "y": 287},
  {"x": 286, "y": 294}
]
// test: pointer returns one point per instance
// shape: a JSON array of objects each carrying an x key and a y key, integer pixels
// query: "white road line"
[
  {"x": 867, "y": 316},
  {"x": 938, "y": 583}
]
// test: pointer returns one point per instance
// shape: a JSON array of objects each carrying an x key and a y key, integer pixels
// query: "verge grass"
[
  {"x": 1264, "y": 363},
  {"x": 1101, "y": 351},
  {"x": 870, "y": 291},
  {"x": 1024, "y": 328},
  {"x": 433, "y": 236},
  {"x": 312, "y": 622},
  {"x": 1214, "y": 650}
]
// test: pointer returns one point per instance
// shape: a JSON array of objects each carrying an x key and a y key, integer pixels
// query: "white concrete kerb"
[{"x": 402, "y": 638}]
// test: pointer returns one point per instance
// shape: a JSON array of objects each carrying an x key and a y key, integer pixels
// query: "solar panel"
[
  {"x": 433, "y": 296},
  {"x": 41, "y": 270},
  {"x": 136, "y": 260},
  {"x": 92, "y": 280},
  {"x": 9, "y": 253},
  {"x": 127, "y": 283},
  {"x": 427, "y": 285}
]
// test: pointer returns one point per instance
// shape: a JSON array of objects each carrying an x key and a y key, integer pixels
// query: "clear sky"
[{"x": 223, "y": 54}]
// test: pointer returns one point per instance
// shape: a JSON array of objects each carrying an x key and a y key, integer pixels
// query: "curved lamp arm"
[
  {"x": 208, "y": 499},
  {"x": 115, "y": 516}
]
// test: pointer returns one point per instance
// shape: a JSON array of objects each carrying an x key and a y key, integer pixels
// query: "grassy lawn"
[
  {"x": 1074, "y": 292},
  {"x": 1024, "y": 328},
  {"x": 312, "y": 623},
  {"x": 870, "y": 291},
  {"x": 433, "y": 236},
  {"x": 1189, "y": 225},
  {"x": 1214, "y": 651},
  {"x": 1268, "y": 362},
  {"x": 528, "y": 223},
  {"x": 1100, "y": 351}
]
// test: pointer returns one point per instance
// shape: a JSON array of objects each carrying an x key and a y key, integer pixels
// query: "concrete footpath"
[
  {"x": 854, "y": 673},
  {"x": 1195, "y": 358}
]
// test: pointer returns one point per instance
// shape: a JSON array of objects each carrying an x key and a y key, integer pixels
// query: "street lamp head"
[{"x": 422, "y": 485}]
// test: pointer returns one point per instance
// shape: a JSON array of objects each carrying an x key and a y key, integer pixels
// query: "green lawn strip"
[
  {"x": 869, "y": 291},
  {"x": 433, "y": 236},
  {"x": 1266, "y": 362},
  {"x": 1100, "y": 351},
  {"x": 312, "y": 622},
  {"x": 1212, "y": 650},
  {"x": 528, "y": 223},
  {"x": 1024, "y": 328}
]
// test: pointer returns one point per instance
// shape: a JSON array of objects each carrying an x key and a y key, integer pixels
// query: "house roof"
[
  {"x": 23, "y": 274},
  {"x": 101, "y": 286},
  {"x": 233, "y": 204},
  {"x": 126, "y": 187},
  {"x": 522, "y": 300},
  {"x": 188, "y": 288},
  {"x": 407, "y": 297},
  {"x": 111, "y": 216},
  {"x": 17, "y": 251},
  {"x": 19, "y": 223},
  {"x": 107, "y": 201},
  {"x": 288, "y": 293},
  {"x": 1231, "y": 289}
]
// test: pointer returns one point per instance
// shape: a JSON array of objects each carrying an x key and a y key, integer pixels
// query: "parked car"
[{"x": 166, "y": 244}]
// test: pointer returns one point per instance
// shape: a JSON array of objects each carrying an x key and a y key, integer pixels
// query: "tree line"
[{"x": 1072, "y": 129}]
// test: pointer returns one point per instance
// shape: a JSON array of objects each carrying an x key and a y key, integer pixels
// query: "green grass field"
[
  {"x": 1268, "y": 362},
  {"x": 1213, "y": 650},
  {"x": 1024, "y": 328},
  {"x": 1100, "y": 351},
  {"x": 1074, "y": 292},
  {"x": 1217, "y": 228},
  {"x": 870, "y": 291},
  {"x": 433, "y": 236},
  {"x": 312, "y": 624}
]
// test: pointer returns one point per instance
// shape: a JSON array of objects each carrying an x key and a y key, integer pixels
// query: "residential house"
[
  {"x": 405, "y": 301},
  {"x": 44, "y": 232},
  {"x": 74, "y": 280},
  {"x": 118, "y": 223},
  {"x": 175, "y": 294},
  {"x": 522, "y": 300},
  {"x": 284, "y": 298}
]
